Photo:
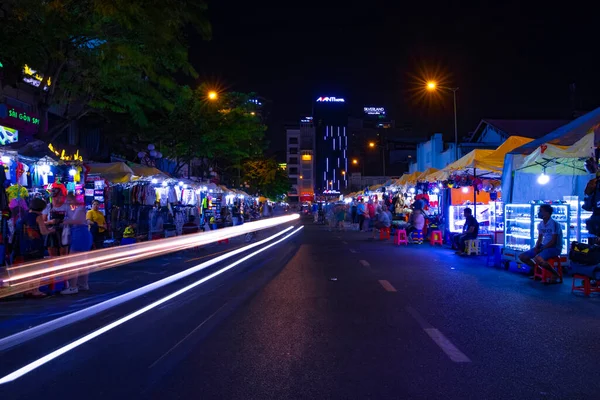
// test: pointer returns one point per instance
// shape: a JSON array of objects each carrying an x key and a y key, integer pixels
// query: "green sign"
[{"x": 23, "y": 116}]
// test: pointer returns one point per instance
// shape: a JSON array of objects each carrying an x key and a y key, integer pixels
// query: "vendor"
[
  {"x": 97, "y": 223},
  {"x": 470, "y": 231},
  {"x": 54, "y": 215},
  {"x": 549, "y": 242}
]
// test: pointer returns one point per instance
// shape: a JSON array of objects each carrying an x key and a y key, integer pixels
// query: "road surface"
[{"x": 330, "y": 315}]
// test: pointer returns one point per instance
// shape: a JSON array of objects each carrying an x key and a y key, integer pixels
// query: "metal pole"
[{"x": 455, "y": 127}]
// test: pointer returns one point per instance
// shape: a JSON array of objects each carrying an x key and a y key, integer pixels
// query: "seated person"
[
  {"x": 470, "y": 231},
  {"x": 383, "y": 220},
  {"x": 190, "y": 226},
  {"x": 129, "y": 235},
  {"x": 415, "y": 230},
  {"x": 549, "y": 242}
]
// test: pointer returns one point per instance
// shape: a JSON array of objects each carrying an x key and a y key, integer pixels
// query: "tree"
[
  {"x": 265, "y": 177},
  {"x": 219, "y": 133},
  {"x": 100, "y": 55}
]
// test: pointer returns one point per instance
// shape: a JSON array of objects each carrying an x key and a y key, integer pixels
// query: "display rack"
[
  {"x": 456, "y": 218},
  {"x": 578, "y": 228}
]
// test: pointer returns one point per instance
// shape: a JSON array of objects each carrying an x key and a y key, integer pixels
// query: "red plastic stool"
[
  {"x": 384, "y": 233},
  {"x": 401, "y": 237},
  {"x": 586, "y": 285},
  {"x": 436, "y": 238},
  {"x": 544, "y": 274}
]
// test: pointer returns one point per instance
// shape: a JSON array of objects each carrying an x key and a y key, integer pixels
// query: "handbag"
[
  {"x": 66, "y": 235},
  {"x": 585, "y": 254}
]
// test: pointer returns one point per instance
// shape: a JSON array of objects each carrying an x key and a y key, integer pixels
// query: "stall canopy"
[
  {"x": 463, "y": 166},
  {"x": 495, "y": 161},
  {"x": 423, "y": 176},
  {"x": 145, "y": 171},
  {"x": 569, "y": 181},
  {"x": 117, "y": 172}
]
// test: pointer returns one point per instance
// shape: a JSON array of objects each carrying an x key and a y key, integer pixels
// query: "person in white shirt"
[
  {"x": 549, "y": 242},
  {"x": 383, "y": 219}
]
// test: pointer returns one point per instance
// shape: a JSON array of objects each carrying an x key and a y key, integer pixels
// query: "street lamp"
[
  {"x": 373, "y": 145},
  {"x": 212, "y": 95},
  {"x": 432, "y": 86},
  {"x": 354, "y": 161}
]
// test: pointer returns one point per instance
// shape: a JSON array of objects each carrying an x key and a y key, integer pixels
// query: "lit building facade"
[
  {"x": 301, "y": 160},
  {"x": 331, "y": 143}
]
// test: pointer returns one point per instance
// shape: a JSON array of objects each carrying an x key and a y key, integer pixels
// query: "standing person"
[
  {"x": 97, "y": 223},
  {"x": 340, "y": 216},
  {"x": 361, "y": 210},
  {"x": 81, "y": 241},
  {"x": 315, "y": 212},
  {"x": 235, "y": 215},
  {"x": 470, "y": 231},
  {"x": 30, "y": 230},
  {"x": 354, "y": 212},
  {"x": 549, "y": 242},
  {"x": 54, "y": 215}
]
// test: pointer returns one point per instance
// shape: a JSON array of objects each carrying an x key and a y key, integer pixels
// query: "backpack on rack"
[{"x": 585, "y": 254}]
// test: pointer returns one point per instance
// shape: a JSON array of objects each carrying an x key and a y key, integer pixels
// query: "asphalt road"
[{"x": 328, "y": 315}]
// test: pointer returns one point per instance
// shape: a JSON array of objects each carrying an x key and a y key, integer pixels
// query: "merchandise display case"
[
  {"x": 496, "y": 216},
  {"x": 579, "y": 231},
  {"x": 521, "y": 223},
  {"x": 456, "y": 218}
]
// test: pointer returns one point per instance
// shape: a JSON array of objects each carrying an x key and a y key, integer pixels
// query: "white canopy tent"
[{"x": 561, "y": 155}]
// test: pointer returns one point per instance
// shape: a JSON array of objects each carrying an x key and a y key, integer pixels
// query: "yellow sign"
[
  {"x": 65, "y": 157},
  {"x": 33, "y": 78},
  {"x": 306, "y": 157}
]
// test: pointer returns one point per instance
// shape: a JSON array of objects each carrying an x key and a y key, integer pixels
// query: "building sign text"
[{"x": 330, "y": 100}]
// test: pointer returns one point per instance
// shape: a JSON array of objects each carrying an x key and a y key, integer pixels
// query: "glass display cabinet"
[{"x": 456, "y": 217}]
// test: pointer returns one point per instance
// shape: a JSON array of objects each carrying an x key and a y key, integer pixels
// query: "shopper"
[
  {"x": 81, "y": 241},
  {"x": 54, "y": 215},
  {"x": 31, "y": 229},
  {"x": 361, "y": 210}
]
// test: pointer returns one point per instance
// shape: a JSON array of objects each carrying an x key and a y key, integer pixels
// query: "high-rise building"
[
  {"x": 300, "y": 143},
  {"x": 331, "y": 120}
]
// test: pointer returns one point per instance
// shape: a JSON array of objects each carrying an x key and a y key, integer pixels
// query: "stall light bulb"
[
  {"x": 440, "y": 185},
  {"x": 180, "y": 183},
  {"x": 204, "y": 188},
  {"x": 45, "y": 168},
  {"x": 72, "y": 172},
  {"x": 465, "y": 190},
  {"x": 5, "y": 159},
  {"x": 543, "y": 179},
  {"x": 412, "y": 190},
  {"x": 185, "y": 186},
  {"x": 154, "y": 180},
  {"x": 436, "y": 190},
  {"x": 164, "y": 183}
]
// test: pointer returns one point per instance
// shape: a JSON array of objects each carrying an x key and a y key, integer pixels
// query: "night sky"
[{"x": 509, "y": 60}]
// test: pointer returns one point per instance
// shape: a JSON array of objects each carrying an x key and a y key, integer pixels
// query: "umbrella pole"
[{"x": 474, "y": 193}]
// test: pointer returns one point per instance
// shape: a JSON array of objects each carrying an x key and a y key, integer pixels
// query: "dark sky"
[{"x": 509, "y": 60}]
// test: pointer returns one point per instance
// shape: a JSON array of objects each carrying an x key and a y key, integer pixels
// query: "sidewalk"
[{"x": 18, "y": 312}]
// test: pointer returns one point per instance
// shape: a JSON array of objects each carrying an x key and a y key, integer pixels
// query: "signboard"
[
  {"x": 21, "y": 120},
  {"x": 330, "y": 100},
  {"x": 62, "y": 154},
  {"x": 306, "y": 120},
  {"x": 8, "y": 135},
  {"x": 32, "y": 77},
  {"x": 374, "y": 110}
]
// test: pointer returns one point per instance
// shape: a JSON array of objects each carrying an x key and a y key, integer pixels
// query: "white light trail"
[
  {"x": 57, "y": 353},
  {"x": 30, "y": 275},
  {"x": 31, "y": 333}
]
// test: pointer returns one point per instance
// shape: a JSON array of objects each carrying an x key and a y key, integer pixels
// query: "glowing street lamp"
[
  {"x": 432, "y": 86},
  {"x": 354, "y": 161},
  {"x": 371, "y": 144},
  {"x": 212, "y": 95}
]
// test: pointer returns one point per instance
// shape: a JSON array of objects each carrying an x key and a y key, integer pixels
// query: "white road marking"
[
  {"x": 352, "y": 251},
  {"x": 165, "y": 264},
  {"x": 344, "y": 242},
  {"x": 438, "y": 338},
  {"x": 387, "y": 286},
  {"x": 73, "y": 345},
  {"x": 364, "y": 263}
]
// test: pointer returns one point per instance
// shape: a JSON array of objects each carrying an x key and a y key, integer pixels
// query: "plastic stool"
[
  {"x": 384, "y": 233},
  {"x": 436, "y": 238},
  {"x": 544, "y": 274},
  {"x": 401, "y": 237},
  {"x": 472, "y": 246},
  {"x": 586, "y": 285}
]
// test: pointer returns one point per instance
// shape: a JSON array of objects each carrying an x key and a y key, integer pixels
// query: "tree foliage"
[
  {"x": 220, "y": 133},
  {"x": 265, "y": 177},
  {"x": 100, "y": 55}
]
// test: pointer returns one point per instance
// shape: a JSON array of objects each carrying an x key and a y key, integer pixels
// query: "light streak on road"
[
  {"x": 28, "y": 276},
  {"x": 31, "y": 333},
  {"x": 73, "y": 345}
]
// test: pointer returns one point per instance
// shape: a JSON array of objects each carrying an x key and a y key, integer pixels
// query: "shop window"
[
  {"x": 293, "y": 181},
  {"x": 293, "y": 140},
  {"x": 293, "y": 171},
  {"x": 293, "y": 150},
  {"x": 293, "y": 160}
]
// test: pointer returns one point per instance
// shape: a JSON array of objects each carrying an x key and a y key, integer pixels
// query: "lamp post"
[{"x": 433, "y": 86}]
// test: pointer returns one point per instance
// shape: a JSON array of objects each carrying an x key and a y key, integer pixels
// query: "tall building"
[
  {"x": 331, "y": 120},
  {"x": 300, "y": 144}
]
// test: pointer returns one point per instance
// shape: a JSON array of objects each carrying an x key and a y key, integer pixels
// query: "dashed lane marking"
[
  {"x": 344, "y": 242},
  {"x": 352, "y": 251},
  {"x": 439, "y": 338},
  {"x": 364, "y": 263},
  {"x": 387, "y": 286}
]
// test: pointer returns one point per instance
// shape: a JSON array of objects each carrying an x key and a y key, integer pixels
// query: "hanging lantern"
[
  {"x": 150, "y": 147},
  {"x": 142, "y": 154}
]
